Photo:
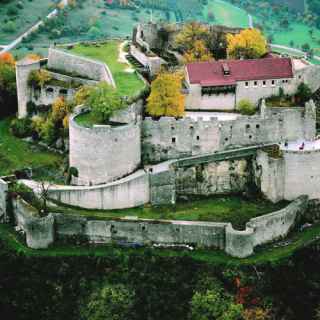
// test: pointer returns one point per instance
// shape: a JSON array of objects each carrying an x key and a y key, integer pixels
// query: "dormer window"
[{"x": 226, "y": 69}]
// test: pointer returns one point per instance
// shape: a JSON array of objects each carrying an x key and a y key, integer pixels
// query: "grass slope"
[
  {"x": 16, "y": 154},
  {"x": 128, "y": 84},
  {"x": 32, "y": 12},
  {"x": 299, "y": 34},
  {"x": 226, "y": 14}
]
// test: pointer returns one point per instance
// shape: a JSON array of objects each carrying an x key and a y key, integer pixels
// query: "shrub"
[
  {"x": 10, "y": 26},
  {"x": 21, "y": 128},
  {"x": 303, "y": 93},
  {"x": 49, "y": 133},
  {"x": 246, "y": 107},
  {"x": 38, "y": 78}
]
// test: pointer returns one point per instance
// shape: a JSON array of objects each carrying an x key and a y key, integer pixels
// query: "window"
[
  {"x": 198, "y": 138},
  {"x": 246, "y": 84},
  {"x": 255, "y": 83},
  {"x": 248, "y": 126},
  {"x": 258, "y": 126},
  {"x": 63, "y": 92},
  {"x": 49, "y": 92},
  {"x": 264, "y": 83},
  {"x": 273, "y": 83},
  {"x": 300, "y": 76},
  {"x": 173, "y": 140}
]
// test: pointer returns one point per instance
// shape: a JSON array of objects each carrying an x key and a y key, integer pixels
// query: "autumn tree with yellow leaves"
[
  {"x": 190, "y": 33},
  {"x": 166, "y": 98},
  {"x": 199, "y": 52},
  {"x": 248, "y": 44}
]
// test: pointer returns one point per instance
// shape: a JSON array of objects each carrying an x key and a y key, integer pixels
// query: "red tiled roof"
[{"x": 211, "y": 73}]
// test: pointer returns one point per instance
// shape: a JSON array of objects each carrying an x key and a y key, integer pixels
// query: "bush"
[
  {"x": 246, "y": 107},
  {"x": 303, "y": 93},
  {"x": 10, "y": 26},
  {"x": 21, "y": 128},
  {"x": 49, "y": 133}
]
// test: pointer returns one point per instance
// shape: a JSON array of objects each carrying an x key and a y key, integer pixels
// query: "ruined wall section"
[
  {"x": 169, "y": 138},
  {"x": 39, "y": 231},
  {"x": 104, "y": 153}
]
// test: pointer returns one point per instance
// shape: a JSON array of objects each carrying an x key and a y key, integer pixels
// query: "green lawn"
[
  {"x": 234, "y": 209},
  {"x": 226, "y": 14},
  {"x": 16, "y": 154},
  {"x": 28, "y": 15},
  {"x": 299, "y": 34},
  {"x": 128, "y": 84}
]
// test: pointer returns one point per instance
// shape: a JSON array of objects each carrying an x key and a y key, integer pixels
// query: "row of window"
[{"x": 265, "y": 83}]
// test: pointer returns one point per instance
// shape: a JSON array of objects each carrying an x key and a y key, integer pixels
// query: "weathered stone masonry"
[{"x": 41, "y": 232}]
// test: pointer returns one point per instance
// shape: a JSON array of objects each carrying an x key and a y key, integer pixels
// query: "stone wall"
[
  {"x": 129, "y": 192},
  {"x": 294, "y": 174},
  {"x": 162, "y": 184},
  {"x": 150, "y": 61},
  {"x": 104, "y": 153},
  {"x": 301, "y": 174},
  {"x": 3, "y": 200},
  {"x": 39, "y": 231},
  {"x": 278, "y": 224},
  {"x": 132, "y": 114},
  {"x": 81, "y": 66},
  {"x": 23, "y": 69},
  {"x": 264, "y": 229},
  {"x": 169, "y": 138}
]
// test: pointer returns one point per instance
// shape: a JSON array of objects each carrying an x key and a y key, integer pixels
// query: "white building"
[{"x": 220, "y": 85}]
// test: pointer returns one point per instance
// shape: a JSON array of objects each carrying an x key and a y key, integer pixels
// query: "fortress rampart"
[
  {"x": 169, "y": 138},
  {"x": 41, "y": 232},
  {"x": 103, "y": 153}
]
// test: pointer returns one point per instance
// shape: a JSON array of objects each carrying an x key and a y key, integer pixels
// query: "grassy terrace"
[
  {"x": 128, "y": 84},
  {"x": 16, "y": 154},
  {"x": 234, "y": 209}
]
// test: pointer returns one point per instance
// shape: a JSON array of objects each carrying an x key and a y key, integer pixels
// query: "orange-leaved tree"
[
  {"x": 166, "y": 98},
  {"x": 248, "y": 44},
  {"x": 7, "y": 58}
]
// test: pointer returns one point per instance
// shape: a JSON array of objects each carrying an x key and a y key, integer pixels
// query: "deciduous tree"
[
  {"x": 189, "y": 34},
  {"x": 166, "y": 98},
  {"x": 199, "y": 52},
  {"x": 248, "y": 44}
]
